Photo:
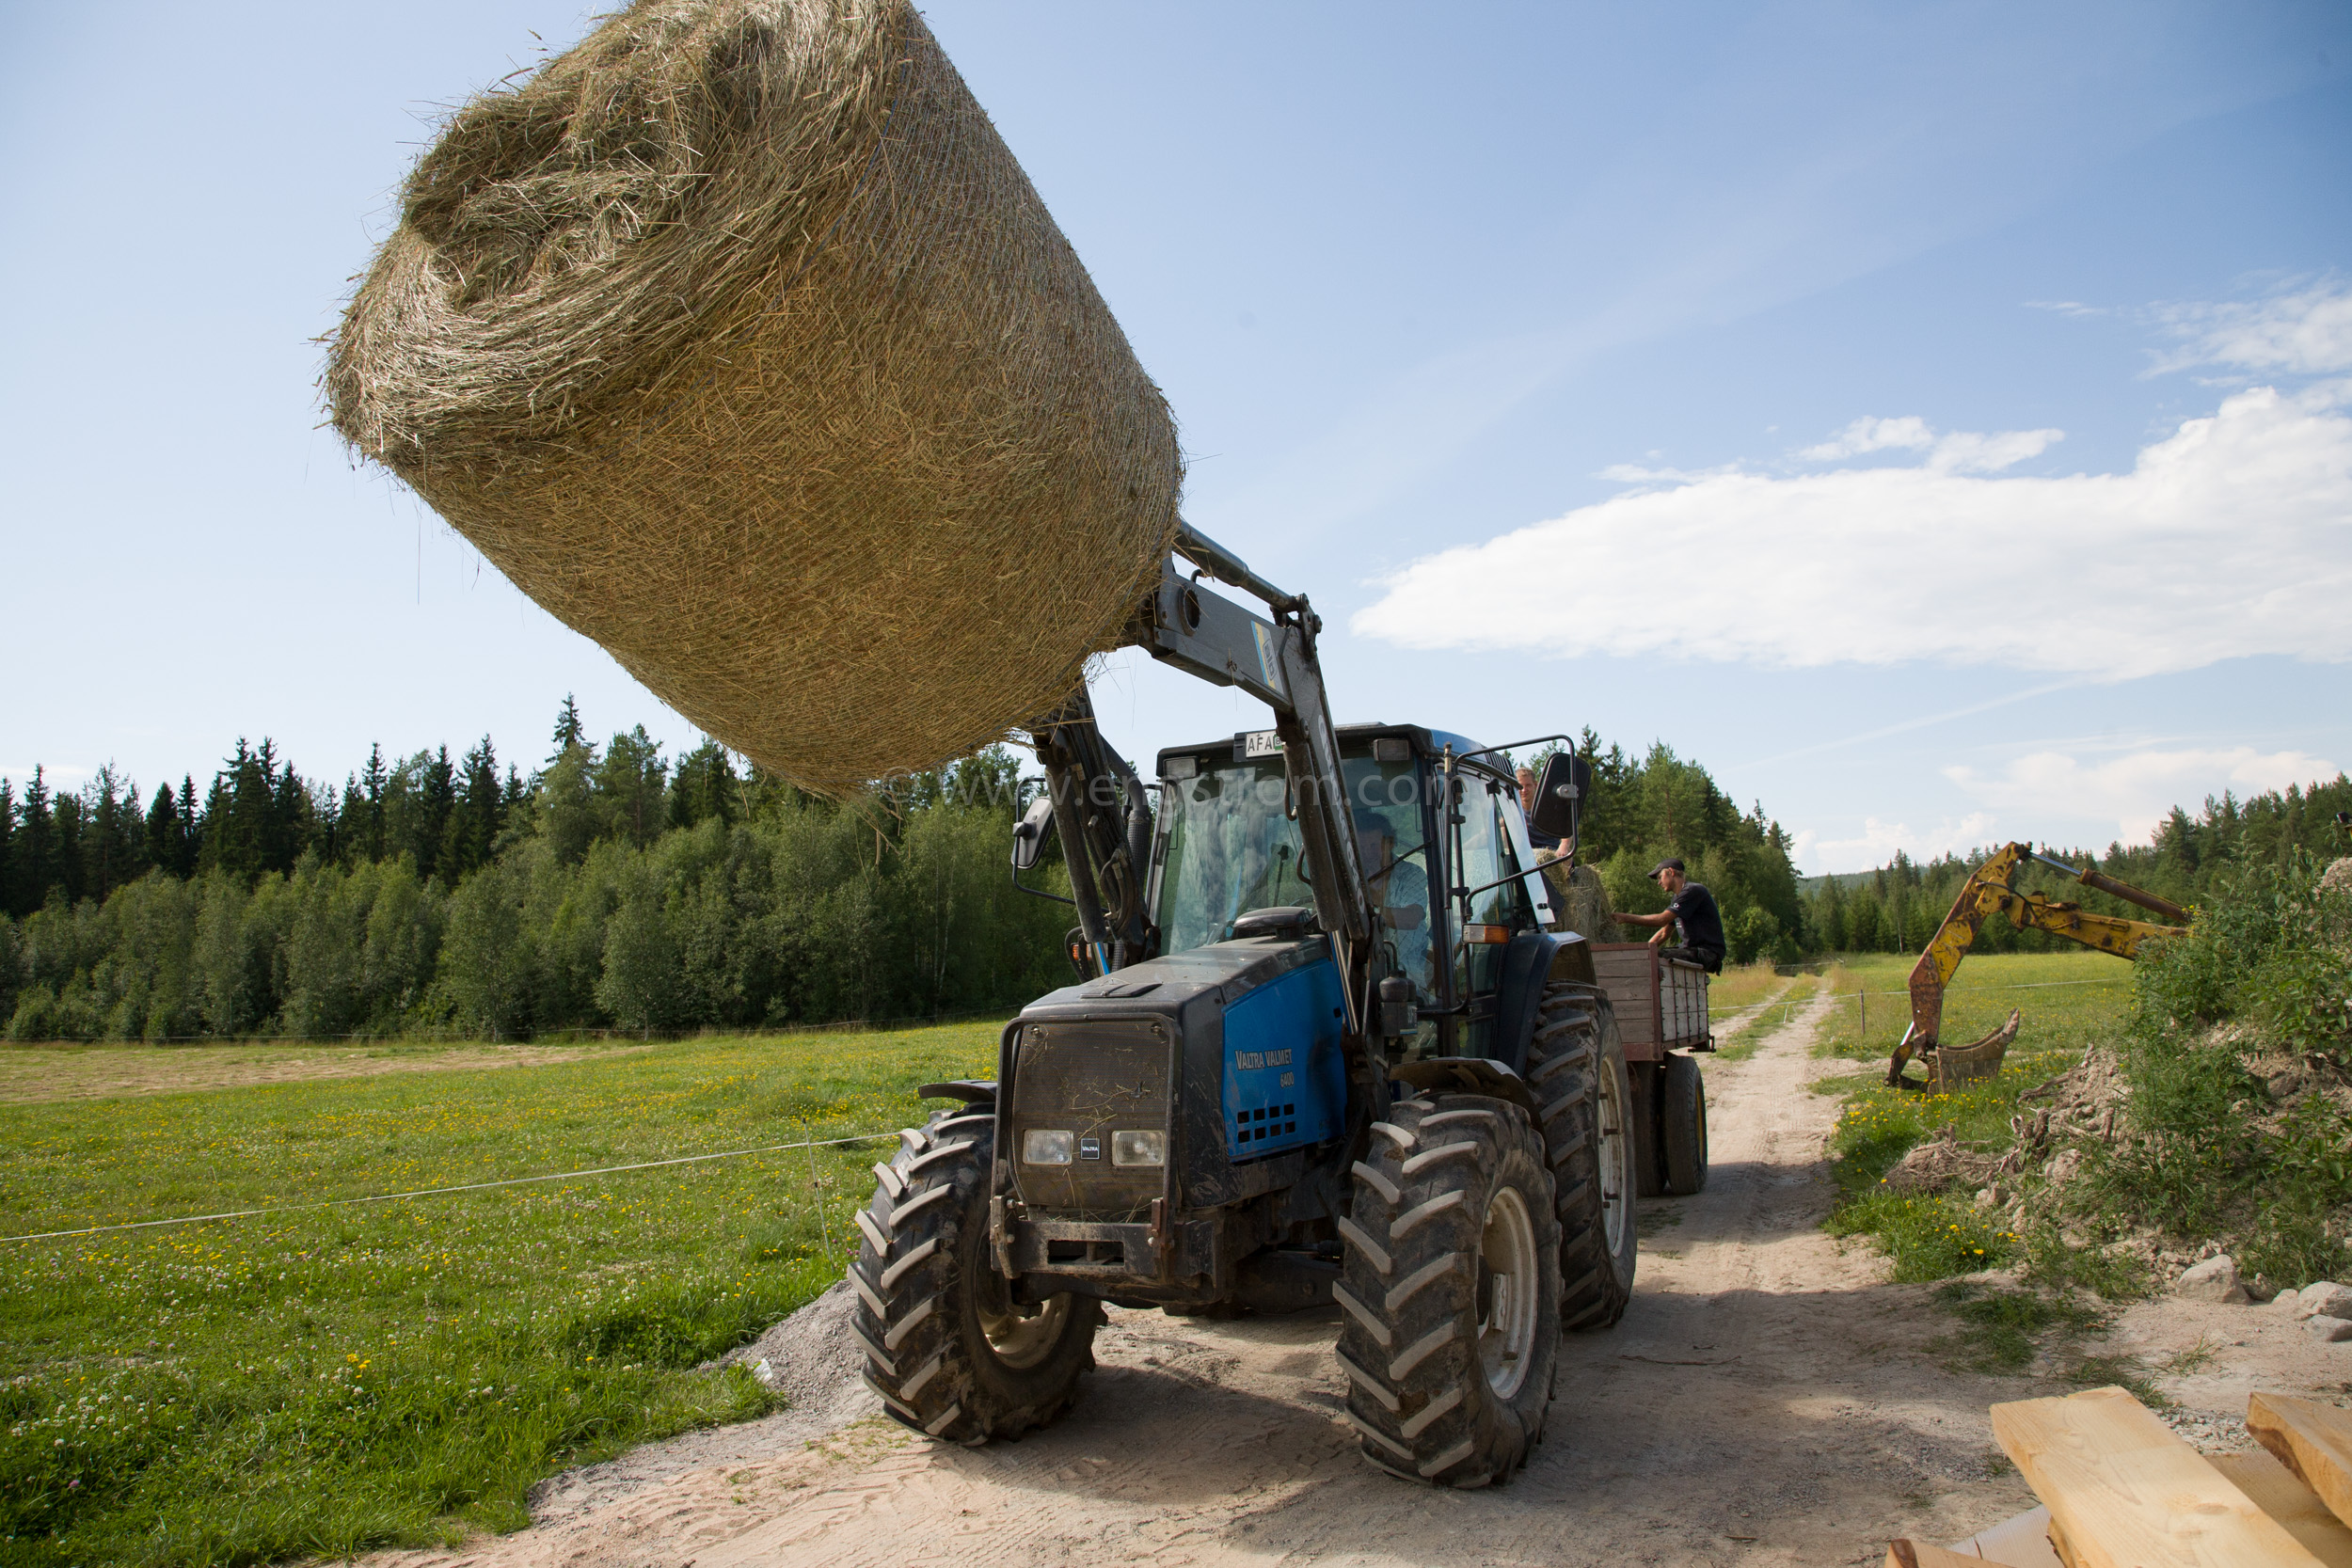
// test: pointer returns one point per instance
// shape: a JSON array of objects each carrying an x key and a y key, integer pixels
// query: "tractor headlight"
[
  {"x": 1039, "y": 1147},
  {"x": 1139, "y": 1149}
]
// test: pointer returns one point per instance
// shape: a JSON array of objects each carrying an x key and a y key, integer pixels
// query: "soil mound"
[
  {"x": 812, "y": 1360},
  {"x": 1943, "y": 1162}
]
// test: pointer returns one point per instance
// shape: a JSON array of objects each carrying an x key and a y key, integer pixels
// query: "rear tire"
[
  {"x": 1576, "y": 1065},
  {"x": 1452, "y": 1329},
  {"x": 947, "y": 1348},
  {"x": 1684, "y": 1135}
]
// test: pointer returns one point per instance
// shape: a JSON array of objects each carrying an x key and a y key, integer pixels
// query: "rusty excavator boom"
[{"x": 1992, "y": 889}]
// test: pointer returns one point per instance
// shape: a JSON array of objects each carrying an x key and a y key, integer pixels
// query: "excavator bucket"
[{"x": 1949, "y": 1066}]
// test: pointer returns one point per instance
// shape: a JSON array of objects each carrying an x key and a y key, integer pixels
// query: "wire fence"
[
  {"x": 810, "y": 1144},
  {"x": 1861, "y": 998},
  {"x": 579, "y": 1035}
]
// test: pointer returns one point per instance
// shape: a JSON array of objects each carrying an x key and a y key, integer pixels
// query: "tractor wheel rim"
[
  {"x": 1020, "y": 1337},
  {"x": 1506, "y": 1335},
  {"x": 1610, "y": 1123}
]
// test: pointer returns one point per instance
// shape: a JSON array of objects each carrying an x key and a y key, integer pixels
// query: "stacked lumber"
[{"x": 2121, "y": 1489}]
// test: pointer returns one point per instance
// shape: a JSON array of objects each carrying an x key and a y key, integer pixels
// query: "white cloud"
[
  {"x": 2306, "y": 333},
  {"x": 2231, "y": 537},
  {"x": 1869, "y": 434},
  {"x": 1814, "y": 855},
  {"x": 2136, "y": 789},
  {"x": 1956, "y": 451}
]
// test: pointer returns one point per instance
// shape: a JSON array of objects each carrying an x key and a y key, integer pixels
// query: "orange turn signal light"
[{"x": 1490, "y": 936}]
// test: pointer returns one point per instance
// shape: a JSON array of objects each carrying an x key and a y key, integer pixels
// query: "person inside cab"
[{"x": 1692, "y": 908}]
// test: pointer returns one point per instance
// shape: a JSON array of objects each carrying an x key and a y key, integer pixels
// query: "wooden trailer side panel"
[
  {"x": 1661, "y": 1002},
  {"x": 1627, "y": 970},
  {"x": 1682, "y": 1004}
]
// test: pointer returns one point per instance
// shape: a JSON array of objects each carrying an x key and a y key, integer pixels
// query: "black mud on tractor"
[{"x": 1322, "y": 1054}]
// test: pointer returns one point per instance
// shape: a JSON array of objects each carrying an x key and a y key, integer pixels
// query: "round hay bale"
[{"x": 737, "y": 338}]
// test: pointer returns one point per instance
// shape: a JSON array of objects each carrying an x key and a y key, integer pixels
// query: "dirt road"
[{"x": 1766, "y": 1401}]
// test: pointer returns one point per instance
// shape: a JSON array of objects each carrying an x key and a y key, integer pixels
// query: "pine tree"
[
  {"x": 705, "y": 786},
  {"x": 569, "y": 731},
  {"x": 293, "y": 817},
  {"x": 191, "y": 828},
  {"x": 113, "y": 845},
  {"x": 368, "y": 836},
  {"x": 7, "y": 847},
  {"x": 630, "y": 779},
  {"x": 167, "y": 833},
  {"x": 437, "y": 799},
  {"x": 36, "y": 847},
  {"x": 479, "y": 813},
  {"x": 65, "y": 861}
]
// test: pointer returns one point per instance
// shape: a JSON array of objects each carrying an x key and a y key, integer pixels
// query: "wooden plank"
[
  {"x": 1922, "y": 1554},
  {"x": 2278, "y": 1492},
  {"x": 2312, "y": 1439},
  {"x": 2023, "y": 1542},
  {"x": 2124, "y": 1492}
]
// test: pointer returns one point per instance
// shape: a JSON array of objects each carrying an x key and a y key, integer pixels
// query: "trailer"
[{"x": 1661, "y": 1005}]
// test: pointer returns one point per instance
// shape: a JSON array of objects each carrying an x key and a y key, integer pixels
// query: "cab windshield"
[{"x": 1230, "y": 847}]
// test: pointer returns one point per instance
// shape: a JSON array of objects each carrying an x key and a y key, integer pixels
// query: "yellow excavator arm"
[{"x": 1990, "y": 891}]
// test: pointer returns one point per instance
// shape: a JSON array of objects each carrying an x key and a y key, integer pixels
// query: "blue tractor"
[{"x": 1325, "y": 1052}]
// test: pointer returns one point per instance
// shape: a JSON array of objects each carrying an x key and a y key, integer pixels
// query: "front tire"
[
  {"x": 1576, "y": 1065},
  {"x": 950, "y": 1351},
  {"x": 1452, "y": 1332}
]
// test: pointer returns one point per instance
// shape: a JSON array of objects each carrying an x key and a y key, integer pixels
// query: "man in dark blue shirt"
[{"x": 1692, "y": 908}]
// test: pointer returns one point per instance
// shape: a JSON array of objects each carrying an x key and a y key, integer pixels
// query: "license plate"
[{"x": 1261, "y": 743}]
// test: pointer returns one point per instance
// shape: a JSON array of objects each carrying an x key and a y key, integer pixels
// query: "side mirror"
[
  {"x": 1028, "y": 834},
  {"x": 1560, "y": 795}
]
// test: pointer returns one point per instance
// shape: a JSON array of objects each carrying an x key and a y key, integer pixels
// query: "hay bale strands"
[{"x": 737, "y": 338}]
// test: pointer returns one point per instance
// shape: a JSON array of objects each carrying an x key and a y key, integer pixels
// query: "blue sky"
[{"x": 1931, "y": 417}]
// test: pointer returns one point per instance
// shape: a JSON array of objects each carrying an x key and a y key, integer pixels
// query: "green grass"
[
  {"x": 1784, "y": 1005},
  {"x": 2001, "y": 1331},
  {"x": 2067, "y": 999},
  {"x": 1742, "y": 986},
  {"x": 1937, "y": 1236},
  {"x": 323, "y": 1381}
]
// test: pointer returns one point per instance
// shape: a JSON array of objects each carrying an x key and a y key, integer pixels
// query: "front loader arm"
[
  {"x": 1102, "y": 815},
  {"x": 1208, "y": 635},
  {"x": 1989, "y": 890}
]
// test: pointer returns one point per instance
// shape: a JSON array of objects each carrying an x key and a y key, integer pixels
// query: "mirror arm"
[{"x": 1038, "y": 891}]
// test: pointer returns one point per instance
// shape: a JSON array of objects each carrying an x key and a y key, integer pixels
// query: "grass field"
[
  {"x": 316, "y": 1381},
  {"x": 2067, "y": 1001}
]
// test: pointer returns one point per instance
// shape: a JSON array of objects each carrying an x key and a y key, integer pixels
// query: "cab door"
[{"x": 1483, "y": 856}]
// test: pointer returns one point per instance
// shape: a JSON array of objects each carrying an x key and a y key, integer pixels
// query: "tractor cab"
[{"x": 1227, "y": 855}]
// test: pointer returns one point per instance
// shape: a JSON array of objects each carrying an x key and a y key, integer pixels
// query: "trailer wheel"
[
  {"x": 1684, "y": 1139},
  {"x": 1649, "y": 1166},
  {"x": 1576, "y": 1065},
  {"x": 950, "y": 1351},
  {"x": 1451, "y": 1331}
]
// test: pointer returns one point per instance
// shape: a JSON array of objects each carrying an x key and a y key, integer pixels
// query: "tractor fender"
[
  {"x": 1532, "y": 960},
  {"x": 1469, "y": 1075}
]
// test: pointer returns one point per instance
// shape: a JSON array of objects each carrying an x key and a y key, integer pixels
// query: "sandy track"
[
  {"x": 38, "y": 1073},
  {"x": 1764, "y": 1401}
]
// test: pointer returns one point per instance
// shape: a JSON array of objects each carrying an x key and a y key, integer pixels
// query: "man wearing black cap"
[{"x": 1694, "y": 907}]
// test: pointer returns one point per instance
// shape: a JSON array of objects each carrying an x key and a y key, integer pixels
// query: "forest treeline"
[
  {"x": 1643, "y": 809},
  {"x": 614, "y": 887},
  {"x": 2192, "y": 857},
  {"x": 611, "y": 888}
]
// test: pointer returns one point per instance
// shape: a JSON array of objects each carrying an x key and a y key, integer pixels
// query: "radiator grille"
[{"x": 1091, "y": 1078}]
